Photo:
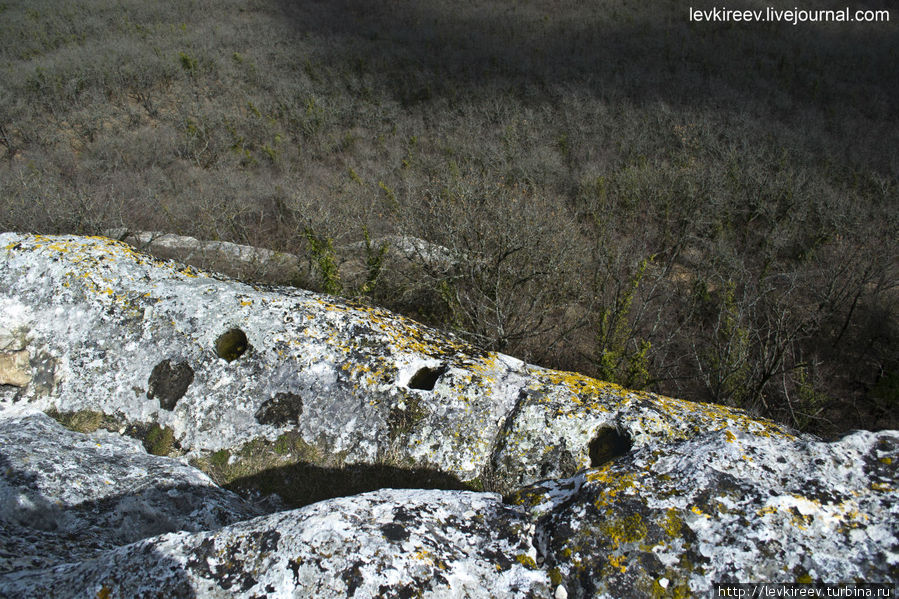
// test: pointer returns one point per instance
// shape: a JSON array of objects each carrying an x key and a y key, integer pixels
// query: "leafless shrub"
[{"x": 664, "y": 221}]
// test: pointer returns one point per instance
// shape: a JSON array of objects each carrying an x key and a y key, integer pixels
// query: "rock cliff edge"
[{"x": 309, "y": 446}]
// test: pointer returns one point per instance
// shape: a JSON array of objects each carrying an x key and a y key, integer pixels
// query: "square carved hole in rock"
[
  {"x": 425, "y": 378},
  {"x": 608, "y": 443}
]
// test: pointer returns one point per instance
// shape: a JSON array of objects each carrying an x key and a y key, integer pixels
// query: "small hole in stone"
[
  {"x": 426, "y": 378},
  {"x": 607, "y": 445},
  {"x": 169, "y": 382},
  {"x": 231, "y": 345}
]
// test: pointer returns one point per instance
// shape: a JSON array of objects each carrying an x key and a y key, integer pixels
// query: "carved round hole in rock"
[
  {"x": 607, "y": 445},
  {"x": 231, "y": 344},
  {"x": 426, "y": 378},
  {"x": 169, "y": 382}
]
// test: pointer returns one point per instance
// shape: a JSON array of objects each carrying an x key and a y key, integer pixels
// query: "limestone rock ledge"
[
  {"x": 81, "y": 516},
  {"x": 66, "y": 496},
  {"x": 665, "y": 521},
  {"x": 727, "y": 506},
  {"x": 222, "y": 364},
  {"x": 608, "y": 492}
]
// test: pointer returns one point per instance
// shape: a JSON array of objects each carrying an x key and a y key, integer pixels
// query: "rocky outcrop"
[
  {"x": 670, "y": 520},
  {"x": 386, "y": 543},
  {"x": 608, "y": 492},
  {"x": 114, "y": 331},
  {"x": 400, "y": 257},
  {"x": 66, "y": 496},
  {"x": 231, "y": 259}
]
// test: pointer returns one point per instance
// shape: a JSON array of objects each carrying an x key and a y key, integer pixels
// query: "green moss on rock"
[
  {"x": 85, "y": 421},
  {"x": 247, "y": 462},
  {"x": 219, "y": 459},
  {"x": 159, "y": 440}
]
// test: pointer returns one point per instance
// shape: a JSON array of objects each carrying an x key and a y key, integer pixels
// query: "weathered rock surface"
[
  {"x": 381, "y": 544},
  {"x": 66, "y": 496},
  {"x": 669, "y": 520},
  {"x": 612, "y": 493},
  {"x": 728, "y": 506}
]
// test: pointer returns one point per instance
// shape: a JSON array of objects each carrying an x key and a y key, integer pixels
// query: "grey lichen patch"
[
  {"x": 231, "y": 344},
  {"x": 169, "y": 382},
  {"x": 283, "y": 408},
  {"x": 228, "y": 565}
]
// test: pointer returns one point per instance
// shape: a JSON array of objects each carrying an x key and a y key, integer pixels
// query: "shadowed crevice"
[
  {"x": 608, "y": 444},
  {"x": 303, "y": 483},
  {"x": 426, "y": 378}
]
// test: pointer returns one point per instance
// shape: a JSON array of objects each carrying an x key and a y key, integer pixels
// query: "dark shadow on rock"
[
  {"x": 120, "y": 518},
  {"x": 169, "y": 382},
  {"x": 283, "y": 408},
  {"x": 302, "y": 484},
  {"x": 38, "y": 533}
]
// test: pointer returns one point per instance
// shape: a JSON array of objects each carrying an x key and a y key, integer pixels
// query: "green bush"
[{"x": 325, "y": 259}]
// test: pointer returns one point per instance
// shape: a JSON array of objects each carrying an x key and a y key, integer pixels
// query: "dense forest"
[{"x": 708, "y": 210}]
